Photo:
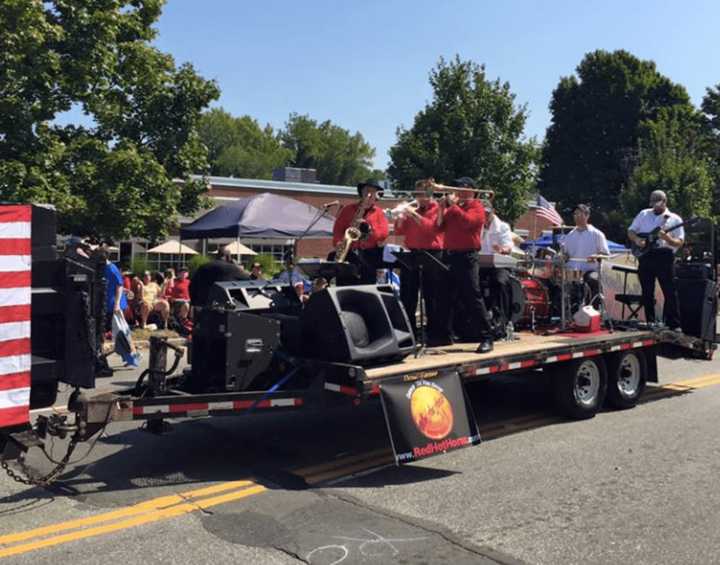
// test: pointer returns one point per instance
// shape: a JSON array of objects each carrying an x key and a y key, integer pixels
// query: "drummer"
[{"x": 582, "y": 245}]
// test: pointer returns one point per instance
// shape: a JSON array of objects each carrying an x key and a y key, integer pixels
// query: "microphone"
[{"x": 329, "y": 204}]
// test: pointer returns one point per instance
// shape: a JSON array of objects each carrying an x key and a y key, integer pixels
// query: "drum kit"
[{"x": 550, "y": 289}]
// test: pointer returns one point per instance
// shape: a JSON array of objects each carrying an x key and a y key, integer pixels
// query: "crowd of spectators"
[{"x": 158, "y": 300}]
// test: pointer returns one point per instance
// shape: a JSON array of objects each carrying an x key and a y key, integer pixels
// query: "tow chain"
[{"x": 45, "y": 480}]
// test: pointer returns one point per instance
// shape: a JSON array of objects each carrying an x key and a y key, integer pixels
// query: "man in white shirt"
[
  {"x": 659, "y": 261},
  {"x": 497, "y": 238},
  {"x": 584, "y": 241}
]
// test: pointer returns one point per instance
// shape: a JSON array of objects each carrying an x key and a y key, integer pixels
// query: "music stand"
[
  {"x": 328, "y": 270},
  {"x": 418, "y": 260}
]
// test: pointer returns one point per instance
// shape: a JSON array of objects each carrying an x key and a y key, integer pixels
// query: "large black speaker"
[
  {"x": 255, "y": 296},
  {"x": 231, "y": 350},
  {"x": 356, "y": 324},
  {"x": 694, "y": 270},
  {"x": 698, "y": 307}
]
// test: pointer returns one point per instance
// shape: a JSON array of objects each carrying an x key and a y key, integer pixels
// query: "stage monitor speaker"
[
  {"x": 698, "y": 307},
  {"x": 231, "y": 350},
  {"x": 694, "y": 270},
  {"x": 256, "y": 296},
  {"x": 356, "y": 324}
]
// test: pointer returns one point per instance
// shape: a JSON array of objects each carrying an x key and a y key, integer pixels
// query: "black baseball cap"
[{"x": 464, "y": 182}]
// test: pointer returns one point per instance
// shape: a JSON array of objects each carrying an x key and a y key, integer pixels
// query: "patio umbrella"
[{"x": 172, "y": 248}]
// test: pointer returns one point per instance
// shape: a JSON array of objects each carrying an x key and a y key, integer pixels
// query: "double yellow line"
[{"x": 146, "y": 512}]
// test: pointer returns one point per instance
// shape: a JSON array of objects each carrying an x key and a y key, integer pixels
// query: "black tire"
[
  {"x": 580, "y": 387},
  {"x": 627, "y": 376}
]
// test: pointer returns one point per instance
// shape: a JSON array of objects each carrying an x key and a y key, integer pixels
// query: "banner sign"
[{"x": 428, "y": 417}]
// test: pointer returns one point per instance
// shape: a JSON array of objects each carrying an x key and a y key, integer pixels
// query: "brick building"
[{"x": 223, "y": 190}]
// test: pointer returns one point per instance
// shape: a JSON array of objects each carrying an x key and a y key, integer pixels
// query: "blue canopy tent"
[
  {"x": 264, "y": 216},
  {"x": 547, "y": 240},
  {"x": 267, "y": 216}
]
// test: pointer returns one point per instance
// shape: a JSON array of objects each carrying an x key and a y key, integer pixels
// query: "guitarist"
[{"x": 658, "y": 260}]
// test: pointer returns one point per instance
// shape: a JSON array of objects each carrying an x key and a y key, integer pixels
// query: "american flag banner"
[
  {"x": 15, "y": 298},
  {"x": 544, "y": 209}
]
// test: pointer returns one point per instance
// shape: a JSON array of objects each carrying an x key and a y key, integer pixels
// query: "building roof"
[{"x": 281, "y": 186}]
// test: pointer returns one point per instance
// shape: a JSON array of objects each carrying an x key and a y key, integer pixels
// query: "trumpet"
[
  {"x": 402, "y": 208},
  {"x": 430, "y": 183}
]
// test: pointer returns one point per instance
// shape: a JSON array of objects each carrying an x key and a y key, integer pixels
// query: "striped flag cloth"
[
  {"x": 545, "y": 210},
  {"x": 15, "y": 294}
]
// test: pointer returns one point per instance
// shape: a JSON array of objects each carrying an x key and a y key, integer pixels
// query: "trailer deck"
[{"x": 528, "y": 351}]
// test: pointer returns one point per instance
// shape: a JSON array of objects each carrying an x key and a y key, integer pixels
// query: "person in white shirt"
[
  {"x": 497, "y": 238},
  {"x": 584, "y": 241},
  {"x": 659, "y": 261}
]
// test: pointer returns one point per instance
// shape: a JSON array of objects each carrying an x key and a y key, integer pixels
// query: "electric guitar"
[{"x": 652, "y": 238}]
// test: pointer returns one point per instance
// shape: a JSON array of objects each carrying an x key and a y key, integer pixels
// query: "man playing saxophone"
[{"x": 359, "y": 232}]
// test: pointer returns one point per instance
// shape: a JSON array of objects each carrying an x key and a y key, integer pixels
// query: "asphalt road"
[{"x": 634, "y": 486}]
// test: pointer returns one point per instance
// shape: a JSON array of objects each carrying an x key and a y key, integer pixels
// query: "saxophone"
[{"x": 357, "y": 230}]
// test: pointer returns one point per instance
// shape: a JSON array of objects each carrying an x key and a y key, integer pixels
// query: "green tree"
[
  {"x": 117, "y": 177},
  {"x": 711, "y": 110},
  {"x": 672, "y": 158},
  {"x": 339, "y": 156},
  {"x": 471, "y": 127},
  {"x": 239, "y": 147},
  {"x": 591, "y": 145}
]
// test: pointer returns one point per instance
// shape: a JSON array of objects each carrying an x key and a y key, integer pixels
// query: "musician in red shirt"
[
  {"x": 366, "y": 252},
  {"x": 419, "y": 226},
  {"x": 461, "y": 218}
]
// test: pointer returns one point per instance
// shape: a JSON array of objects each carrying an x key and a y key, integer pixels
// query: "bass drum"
[{"x": 537, "y": 302}]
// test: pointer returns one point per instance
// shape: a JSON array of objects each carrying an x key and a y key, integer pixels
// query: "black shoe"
[{"x": 486, "y": 346}]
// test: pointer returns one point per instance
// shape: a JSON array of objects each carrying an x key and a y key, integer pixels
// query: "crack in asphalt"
[
  {"x": 194, "y": 503},
  {"x": 290, "y": 554},
  {"x": 487, "y": 553}
]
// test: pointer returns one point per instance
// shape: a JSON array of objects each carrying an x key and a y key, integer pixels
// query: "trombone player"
[{"x": 418, "y": 223}]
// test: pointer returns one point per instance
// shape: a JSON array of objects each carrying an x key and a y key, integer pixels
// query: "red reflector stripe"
[
  {"x": 21, "y": 213},
  {"x": 15, "y": 380},
  {"x": 15, "y": 347},
  {"x": 564, "y": 356},
  {"x": 15, "y": 279},
  {"x": 14, "y": 416},
  {"x": 190, "y": 407},
  {"x": 15, "y": 246},
  {"x": 15, "y": 313}
]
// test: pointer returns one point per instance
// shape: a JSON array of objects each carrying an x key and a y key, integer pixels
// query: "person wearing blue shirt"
[
  {"x": 116, "y": 302},
  {"x": 290, "y": 275}
]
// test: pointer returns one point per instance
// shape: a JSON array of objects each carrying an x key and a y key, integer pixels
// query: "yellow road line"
[{"x": 154, "y": 516}]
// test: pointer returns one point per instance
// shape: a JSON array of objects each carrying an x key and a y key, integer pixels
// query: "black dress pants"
[
  {"x": 659, "y": 264},
  {"x": 432, "y": 287},
  {"x": 498, "y": 281},
  {"x": 466, "y": 293}
]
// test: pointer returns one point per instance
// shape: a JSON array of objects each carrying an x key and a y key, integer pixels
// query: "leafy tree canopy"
[
  {"x": 339, "y": 156},
  {"x": 116, "y": 177},
  {"x": 672, "y": 158},
  {"x": 471, "y": 127},
  {"x": 591, "y": 145},
  {"x": 240, "y": 147}
]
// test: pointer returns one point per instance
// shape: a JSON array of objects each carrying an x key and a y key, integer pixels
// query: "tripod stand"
[{"x": 419, "y": 260}]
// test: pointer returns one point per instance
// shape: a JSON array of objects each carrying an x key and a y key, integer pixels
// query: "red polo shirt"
[
  {"x": 424, "y": 234},
  {"x": 180, "y": 290},
  {"x": 463, "y": 225},
  {"x": 375, "y": 216}
]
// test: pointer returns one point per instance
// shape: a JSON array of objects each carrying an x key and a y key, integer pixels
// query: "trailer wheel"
[
  {"x": 580, "y": 387},
  {"x": 627, "y": 375}
]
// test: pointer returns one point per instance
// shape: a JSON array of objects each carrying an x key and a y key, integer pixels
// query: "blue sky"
[{"x": 364, "y": 64}]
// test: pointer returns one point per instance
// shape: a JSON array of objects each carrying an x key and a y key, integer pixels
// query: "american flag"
[
  {"x": 543, "y": 209},
  {"x": 15, "y": 297}
]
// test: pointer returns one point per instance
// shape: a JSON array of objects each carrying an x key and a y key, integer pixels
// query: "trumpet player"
[
  {"x": 370, "y": 220},
  {"x": 419, "y": 226},
  {"x": 461, "y": 218}
]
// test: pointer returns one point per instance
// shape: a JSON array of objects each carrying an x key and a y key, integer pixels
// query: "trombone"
[{"x": 430, "y": 184}]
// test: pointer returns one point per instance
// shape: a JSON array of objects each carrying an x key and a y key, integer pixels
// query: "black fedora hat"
[{"x": 371, "y": 184}]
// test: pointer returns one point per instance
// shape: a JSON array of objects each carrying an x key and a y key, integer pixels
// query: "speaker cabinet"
[
  {"x": 699, "y": 271},
  {"x": 698, "y": 307},
  {"x": 231, "y": 350},
  {"x": 356, "y": 324},
  {"x": 256, "y": 296}
]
